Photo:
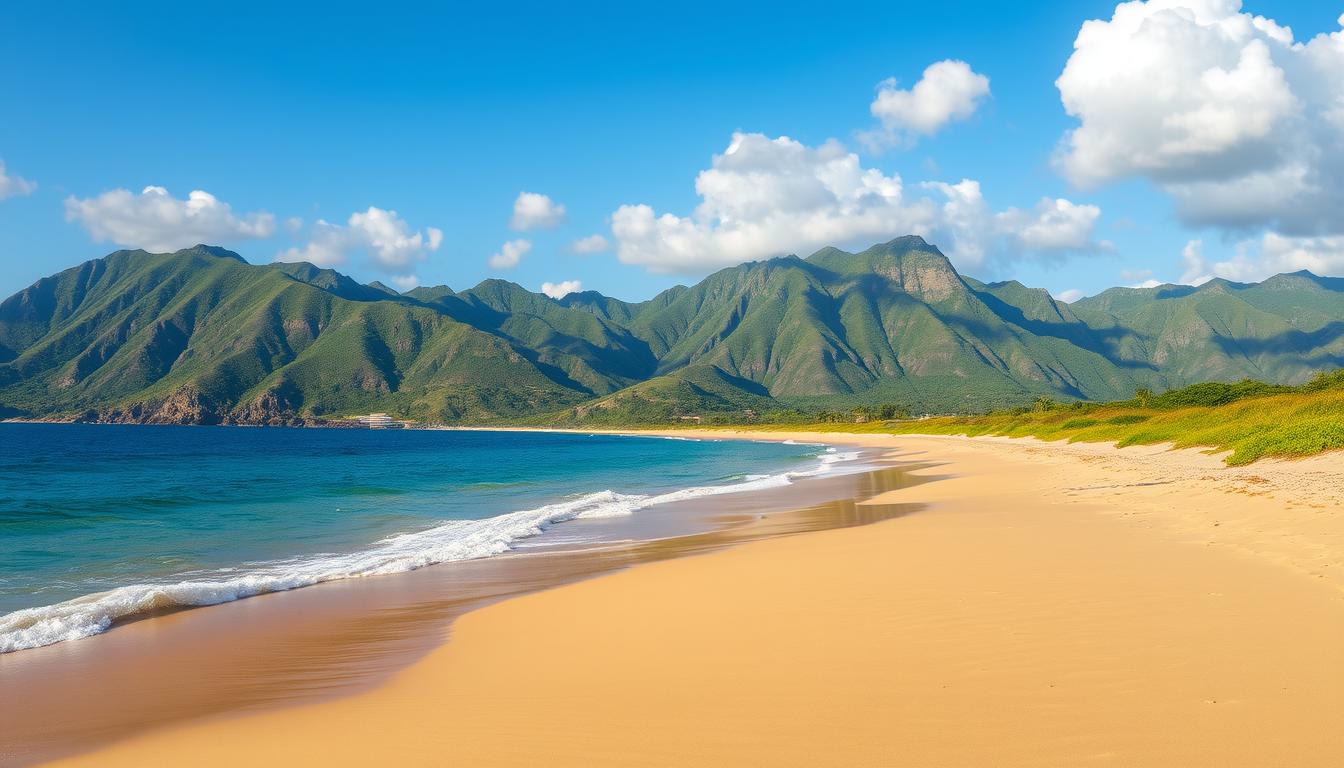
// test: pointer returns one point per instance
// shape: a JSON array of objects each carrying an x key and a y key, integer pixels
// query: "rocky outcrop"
[
  {"x": 273, "y": 408},
  {"x": 189, "y": 406},
  {"x": 185, "y": 406}
]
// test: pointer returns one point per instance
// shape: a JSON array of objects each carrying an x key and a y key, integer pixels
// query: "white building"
[{"x": 378, "y": 421}]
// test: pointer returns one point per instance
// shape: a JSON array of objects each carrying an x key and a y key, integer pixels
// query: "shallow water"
[
  {"x": 336, "y": 638},
  {"x": 102, "y": 524}
]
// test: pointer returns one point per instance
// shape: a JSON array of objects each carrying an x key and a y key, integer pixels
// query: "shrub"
[
  {"x": 1079, "y": 423},
  {"x": 1213, "y": 393},
  {"x": 1127, "y": 418}
]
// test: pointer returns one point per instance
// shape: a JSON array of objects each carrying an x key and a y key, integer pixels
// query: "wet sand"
[
  {"x": 1052, "y": 605},
  {"x": 339, "y": 638}
]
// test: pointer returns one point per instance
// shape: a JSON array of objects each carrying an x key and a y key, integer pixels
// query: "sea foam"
[{"x": 450, "y": 541}]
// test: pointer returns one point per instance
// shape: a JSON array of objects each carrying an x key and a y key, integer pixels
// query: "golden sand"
[{"x": 1055, "y": 605}]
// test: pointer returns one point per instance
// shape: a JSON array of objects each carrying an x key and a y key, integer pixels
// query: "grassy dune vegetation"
[{"x": 1251, "y": 419}]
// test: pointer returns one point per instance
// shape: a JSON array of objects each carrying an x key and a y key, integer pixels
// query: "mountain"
[
  {"x": 1280, "y": 330},
  {"x": 202, "y": 336},
  {"x": 894, "y": 322}
]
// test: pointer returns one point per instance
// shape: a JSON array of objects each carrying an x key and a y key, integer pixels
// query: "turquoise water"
[{"x": 98, "y": 523}]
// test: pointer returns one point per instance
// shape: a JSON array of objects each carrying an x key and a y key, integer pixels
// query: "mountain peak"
[
  {"x": 908, "y": 243},
  {"x": 910, "y": 262},
  {"x": 894, "y": 323},
  {"x": 1302, "y": 279},
  {"x": 210, "y": 250}
]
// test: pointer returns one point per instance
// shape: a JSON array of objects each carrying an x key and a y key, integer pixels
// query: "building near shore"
[{"x": 378, "y": 421}]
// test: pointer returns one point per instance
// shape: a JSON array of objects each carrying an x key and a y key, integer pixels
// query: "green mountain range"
[{"x": 202, "y": 336}]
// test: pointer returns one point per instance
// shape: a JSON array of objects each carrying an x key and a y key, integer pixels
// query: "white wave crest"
[{"x": 450, "y": 541}]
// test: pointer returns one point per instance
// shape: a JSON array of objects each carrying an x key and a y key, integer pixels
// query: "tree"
[
  {"x": 1144, "y": 396},
  {"x": 890, "y": 411}
]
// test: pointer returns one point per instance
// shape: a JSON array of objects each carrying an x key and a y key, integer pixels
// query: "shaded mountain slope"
[{"x": 201, "y": 336}]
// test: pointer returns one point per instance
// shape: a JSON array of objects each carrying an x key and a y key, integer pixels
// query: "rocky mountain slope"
[{"x": 201, "y": 336}]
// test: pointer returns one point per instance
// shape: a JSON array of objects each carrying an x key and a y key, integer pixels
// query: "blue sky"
[{"x": 445, "y": 115}]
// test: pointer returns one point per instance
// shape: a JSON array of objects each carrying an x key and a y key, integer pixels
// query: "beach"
[{"x": 1041, "y": 604}]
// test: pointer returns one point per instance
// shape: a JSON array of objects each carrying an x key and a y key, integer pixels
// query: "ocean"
[{"x": 102, "y": 523}]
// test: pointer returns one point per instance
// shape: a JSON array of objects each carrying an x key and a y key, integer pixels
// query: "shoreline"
[
  {"x": 337, "y": 638},
  {"x": 64, "y": 620},
  {"x": 1055, "y": 605}
]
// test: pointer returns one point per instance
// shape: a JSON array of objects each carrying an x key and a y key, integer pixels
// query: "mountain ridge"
[{"x": 203, "y": 336}]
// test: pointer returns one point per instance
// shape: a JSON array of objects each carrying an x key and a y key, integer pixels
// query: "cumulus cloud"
[
  {"x": 509, "y": 254},
  {"x": 1321, "y": 255},
  {"x": 1242, "y": 125},
  {"x": 1254, "y": 259},
  {"x": 767, "y": 197},
  {"x": 14, "y": 186},
  {"x": 1272, "y": 254},
  {"x": 381, "y": 234},
  {"x": 157, "y": 221},
  {"x": 948, "y": 90},
  {"x": 1053, "y": 226},
  {"x": 976, "y": 235},
  {"x": 1194, "y": 269},
  {"x": 591, "y": 244},
  {"x": 532, "y": 210},
  {"x": 561, "y": 289}
]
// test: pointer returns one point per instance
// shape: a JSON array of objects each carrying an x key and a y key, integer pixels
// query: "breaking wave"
[{"x": 450, "y": 541}]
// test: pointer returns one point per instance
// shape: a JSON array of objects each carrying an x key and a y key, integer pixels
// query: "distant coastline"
[{"x": 1248, "y": 420}]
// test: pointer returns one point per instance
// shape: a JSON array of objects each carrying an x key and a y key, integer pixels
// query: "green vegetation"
[
  {"x": 1248, "y": 418},
  {"x": 201, "y": 336}
]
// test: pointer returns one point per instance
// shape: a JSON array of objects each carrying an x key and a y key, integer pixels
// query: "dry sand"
[{"x": 1056, "y": 605}]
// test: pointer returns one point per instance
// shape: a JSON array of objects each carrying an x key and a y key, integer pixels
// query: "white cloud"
[
  {"x": 405, "y": 283},
  {"x": 768, "y": 197},
  {"x": 328, "y": 246},
  {"x": 1069, "y": 296},
  {"x": 949, "y": 90},
  {"x": 1255, "y": 259},
  {"x": 157, "y": 221},
  {"x": 1055, "y": 225},
  {"x": 561, "y": 289},
  {"x": 535, "y": 211},
  {"x": 509, "y": 254},
  {"x": 14, "y": 186},
  {"x": 1240, "y": 124},
  {"x": 977, "y": 236},
  {"x": 1321, "y": 255},
  {"x": 382, "y": 234},
  {"x": 390, "y": 239},
  {"x": 1195, "y": 270},
  {"x": 591, "y": 244},
  {"x": 293, "y": 225}
]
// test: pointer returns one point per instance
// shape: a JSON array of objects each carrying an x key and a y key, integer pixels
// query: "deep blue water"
[{"x": 194, "y": 515}]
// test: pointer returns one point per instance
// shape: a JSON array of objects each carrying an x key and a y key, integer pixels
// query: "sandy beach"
[{"x": 1050, "y": 604}]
